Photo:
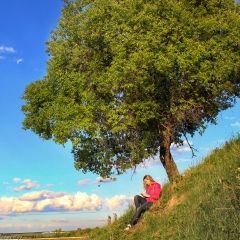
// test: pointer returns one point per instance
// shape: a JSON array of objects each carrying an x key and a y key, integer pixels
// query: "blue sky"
[{"x": 39, "y": 188}]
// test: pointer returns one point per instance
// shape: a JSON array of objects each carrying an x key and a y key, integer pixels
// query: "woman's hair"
[{"x": 149, "y": 178}]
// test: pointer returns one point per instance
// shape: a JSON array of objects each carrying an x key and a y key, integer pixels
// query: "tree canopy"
[{"x": 127, "y": 78}]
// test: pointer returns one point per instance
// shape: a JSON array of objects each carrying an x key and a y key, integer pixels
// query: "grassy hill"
[{"x": 205, "y": 204}]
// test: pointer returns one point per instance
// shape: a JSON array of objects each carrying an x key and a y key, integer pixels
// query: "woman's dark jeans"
[{"x": 141, "y": 206}]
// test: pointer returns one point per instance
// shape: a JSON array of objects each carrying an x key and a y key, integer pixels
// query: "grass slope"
[{"x": 205, "y": 204}]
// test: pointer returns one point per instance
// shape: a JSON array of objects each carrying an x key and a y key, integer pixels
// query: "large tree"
[{"x": 127, "y": 78}]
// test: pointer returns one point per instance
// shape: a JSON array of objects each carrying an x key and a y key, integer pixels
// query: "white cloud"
[
  {"x": 32, "y": 196},
  {"x": 35, "y": 196},
  {"x": 53, "y": 195},
  {"x": 237, "y": 124},
  {"x": 103, "y": 180},
  {"x": 84, "y": 182},
  {"x": 22, "y": 206},
  {"x": 67, "y": 202},
  {"x": 83, "y": 201},
  {"x": 29, "y": 184},
  {"x": 14, "y": 205},
  {"x": 151, "y": 162},
  {"x": 182, "y": 160},
  {"x": 47, "y": 201},
  {"x": 88, "y": 181},
  {"x": 230, "y": 118},
  {"x": 7, "y": 49},
  {"x": 49, "y": 185},
  {"x": 177, "y": 150},
  {"x": 19, "y": 60},
  {"x": 16, "y": 180},
  {"x": 60, "y": 220},
  {"x": 117, "y": 202}
]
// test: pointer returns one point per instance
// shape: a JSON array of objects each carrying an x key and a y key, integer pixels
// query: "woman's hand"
[{"x": 145, "y": 195}]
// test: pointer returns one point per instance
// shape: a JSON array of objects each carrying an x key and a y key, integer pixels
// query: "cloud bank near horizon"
[{"x": 48, "y": 201}]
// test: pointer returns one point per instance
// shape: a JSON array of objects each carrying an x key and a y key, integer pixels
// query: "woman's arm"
[{"x": 145, "y": 195}]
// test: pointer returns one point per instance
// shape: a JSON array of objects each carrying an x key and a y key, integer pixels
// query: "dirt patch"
[{"x": 174, "y": 201}]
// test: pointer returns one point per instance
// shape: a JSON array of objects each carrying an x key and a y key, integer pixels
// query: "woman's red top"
[{"x": 154, "y": 190}]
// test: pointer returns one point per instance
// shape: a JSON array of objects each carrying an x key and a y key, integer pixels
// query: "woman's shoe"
[{"x": 128, "y": 227}]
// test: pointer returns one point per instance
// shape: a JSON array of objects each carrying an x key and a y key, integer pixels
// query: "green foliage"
[
  {"x": 126, "y": 76},
  {"x": 58, "y": 232}
]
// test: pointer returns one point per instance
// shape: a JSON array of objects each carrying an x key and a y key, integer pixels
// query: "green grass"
[{"x": 205, "y": 204}]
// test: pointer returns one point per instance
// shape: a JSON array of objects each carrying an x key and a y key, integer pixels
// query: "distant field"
[{"x": 61, "y": 238}]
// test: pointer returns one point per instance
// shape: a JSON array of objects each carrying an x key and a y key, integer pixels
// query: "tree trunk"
[{"x": 167, "y": 160}]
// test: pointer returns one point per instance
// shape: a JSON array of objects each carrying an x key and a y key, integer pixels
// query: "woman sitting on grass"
[{"x": 145, "y": 200}]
